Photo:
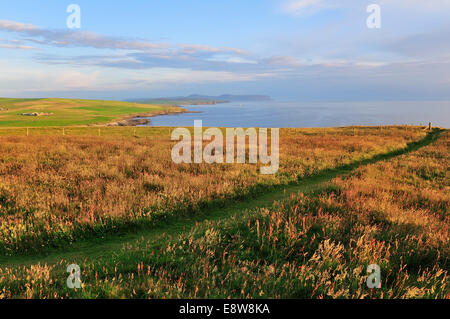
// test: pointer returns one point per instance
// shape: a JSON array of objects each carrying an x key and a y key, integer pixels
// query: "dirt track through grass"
[{"x": 106, "y": 247}]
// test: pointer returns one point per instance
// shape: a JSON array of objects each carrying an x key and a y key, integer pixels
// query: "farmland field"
[
  {"x": 141, "y": 226},
  {"x": 63, "y": 112}
]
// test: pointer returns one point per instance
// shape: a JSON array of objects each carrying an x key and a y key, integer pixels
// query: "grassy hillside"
[
  {"x": 66, "y": 112},
  {"x": 345, "y": 198}
]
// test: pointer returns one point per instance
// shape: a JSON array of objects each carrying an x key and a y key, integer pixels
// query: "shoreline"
[{"x": 144, "y": 118}]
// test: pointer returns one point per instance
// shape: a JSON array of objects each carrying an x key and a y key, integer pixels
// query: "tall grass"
[
  {"x": 55, "y": 190},
  {"x": 393, "y": 213}
]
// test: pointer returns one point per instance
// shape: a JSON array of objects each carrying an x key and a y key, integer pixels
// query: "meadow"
[
  {"x": 57, "y": 189},
  {"x": 69, "y": 112},
  {"x": 111, "y": 200}
]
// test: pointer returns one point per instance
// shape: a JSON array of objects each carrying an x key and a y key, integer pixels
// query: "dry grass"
[
  {"x": 58, "y": 189},
  {"x": 393, "y": 213}
]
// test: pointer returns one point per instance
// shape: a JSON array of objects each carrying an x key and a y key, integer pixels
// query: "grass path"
[{"x": 106, "y": 247}]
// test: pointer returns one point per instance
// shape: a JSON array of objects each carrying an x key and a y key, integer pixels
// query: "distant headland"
[{"x": 197, "y": 99}]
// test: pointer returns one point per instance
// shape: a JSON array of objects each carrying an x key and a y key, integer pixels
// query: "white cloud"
[
  {"x": 71, "y": 38},
  {"x": 15, "y": 45},
  {"x": 300, "y": 7},
  {"x": 278, "y": 60},
  {"x": 18, "y": 47},
  {"x": 429, "y": 5},
  {"x": 16, "y": 79},
  {"x": 187, "y": 76},
  {"x": 142, "y": 53}
]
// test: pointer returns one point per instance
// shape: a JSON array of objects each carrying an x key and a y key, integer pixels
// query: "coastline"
[{"x": 144, "y": 118}]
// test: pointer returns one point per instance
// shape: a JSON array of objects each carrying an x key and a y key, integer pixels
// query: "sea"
[{"x": 278, "y": 114}]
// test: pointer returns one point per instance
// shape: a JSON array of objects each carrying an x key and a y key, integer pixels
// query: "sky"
[{"x": 298, "y": 50}]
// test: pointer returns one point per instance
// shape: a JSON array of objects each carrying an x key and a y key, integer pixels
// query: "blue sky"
[{"x": 289, "y": 49}]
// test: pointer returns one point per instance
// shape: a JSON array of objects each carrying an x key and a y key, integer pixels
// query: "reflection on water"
[{"x": 310, "y": 114}]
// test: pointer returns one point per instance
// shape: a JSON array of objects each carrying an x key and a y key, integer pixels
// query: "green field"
[{"x": 70, "y": 112}]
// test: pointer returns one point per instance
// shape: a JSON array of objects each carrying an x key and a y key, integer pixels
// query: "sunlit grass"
[
  {"x": 56, "y": 189},
  {"x": 394, "y": 213}
]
